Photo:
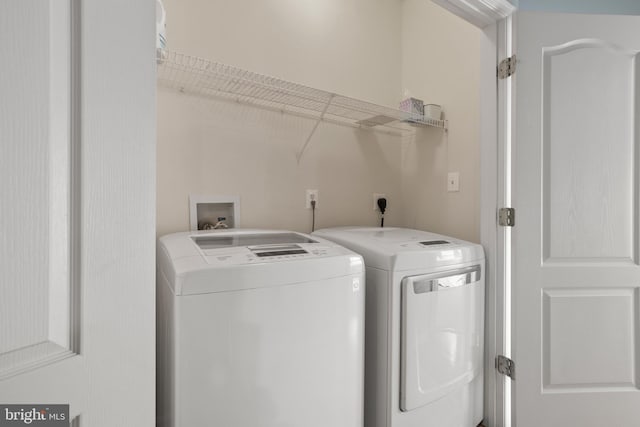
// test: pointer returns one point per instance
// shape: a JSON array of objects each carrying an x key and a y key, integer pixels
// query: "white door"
[
  {"x": 576, "y": 273},
  {"x": 77, "y": 203}
]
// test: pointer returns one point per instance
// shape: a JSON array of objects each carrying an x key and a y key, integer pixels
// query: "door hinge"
[
  {"x": 507, "y": 217},
  {"x": 507, "y": 67},
  {"x": 506, "y": 366}
]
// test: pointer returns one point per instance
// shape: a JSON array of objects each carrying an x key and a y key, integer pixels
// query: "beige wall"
[
  {"x": 351, "y": 47},
  {"x": 441, "y": 64}
]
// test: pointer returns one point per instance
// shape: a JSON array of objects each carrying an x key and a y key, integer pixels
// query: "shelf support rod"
[{"x": 315, "y": 126}]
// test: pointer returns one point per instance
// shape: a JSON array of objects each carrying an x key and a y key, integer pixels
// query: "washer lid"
[
  {"x": 398, "y": 249},
  {"x": 231, "y": 260}
]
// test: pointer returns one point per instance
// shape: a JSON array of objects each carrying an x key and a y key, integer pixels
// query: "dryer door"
[{"x": 442, "y": 334}]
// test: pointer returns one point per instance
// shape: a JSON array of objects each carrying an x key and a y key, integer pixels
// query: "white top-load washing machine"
[
  {"x": 259, "y": 328},
  {"x": 424, "y": 326}
]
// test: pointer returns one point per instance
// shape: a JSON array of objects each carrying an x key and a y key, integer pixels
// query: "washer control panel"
[
  {"x": 277, "y": 250},
  {"x": 267, "y": 253},
  {"x": 253, "y": 248}
]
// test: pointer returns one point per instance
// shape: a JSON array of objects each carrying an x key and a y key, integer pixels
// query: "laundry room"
[
  {"x": 320, "y": 213},
  {"x": 377, "y": 52}
]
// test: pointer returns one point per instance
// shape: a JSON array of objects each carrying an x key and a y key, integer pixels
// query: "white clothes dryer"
[
  {"x": 259, "y": 328},
  {"x": 424, "y": 326}
]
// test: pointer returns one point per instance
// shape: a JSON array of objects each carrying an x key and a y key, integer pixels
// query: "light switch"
[{"x": 453, "y": 181}]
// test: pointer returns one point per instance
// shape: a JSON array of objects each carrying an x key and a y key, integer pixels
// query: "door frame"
[
  {"x": 495, "y": 139},
  {"x": 495, "y": 169}
]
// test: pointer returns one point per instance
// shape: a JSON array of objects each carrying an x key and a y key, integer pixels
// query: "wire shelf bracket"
[{"x": 315, "y": 126}]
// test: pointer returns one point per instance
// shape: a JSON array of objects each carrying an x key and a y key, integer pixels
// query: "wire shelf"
[{"x": 200, "y": 77}]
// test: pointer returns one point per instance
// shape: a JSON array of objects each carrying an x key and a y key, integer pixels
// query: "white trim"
[
  {"x": 494, "y": 173},
  {"x": 505, "y": 48},
  {"x": 480, "y": 13},
  {"x": 495, "y": 154},
  {"x": 488, "y": 208}
]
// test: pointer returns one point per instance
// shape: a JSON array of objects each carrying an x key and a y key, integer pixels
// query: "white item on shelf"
[
  {"x": 412, "y": 106},
  {"x": 433, "y": 111}
]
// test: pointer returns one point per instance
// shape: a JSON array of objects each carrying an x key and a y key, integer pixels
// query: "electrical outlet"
[
  {"x": 377, "y": 196},
  {"x": 453, "y": 181},
  {"x": 311, "y": 195}
]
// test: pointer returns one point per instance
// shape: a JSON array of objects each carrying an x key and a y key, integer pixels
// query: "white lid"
[
  {"x": 231, "y": 260},
  {"x": 401, "y": 249}
]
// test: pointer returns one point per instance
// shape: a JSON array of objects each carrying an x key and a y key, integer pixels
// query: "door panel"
[
  {"x": 576, "y": 278},
  {"x": 589, "y": 339},
  {"x": 39, "y": 300},
  {"x": 588, "y": 103},
  {"x": 35, "y": 157}
]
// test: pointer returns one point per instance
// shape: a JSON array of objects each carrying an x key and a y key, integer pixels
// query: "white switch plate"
[
  {"x": 377, "y": 196},
  {"x": 453, "y": 181},
  {"x": 311, "y": 195}
]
